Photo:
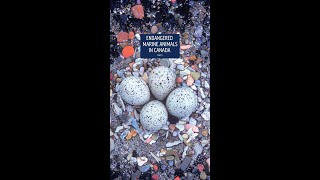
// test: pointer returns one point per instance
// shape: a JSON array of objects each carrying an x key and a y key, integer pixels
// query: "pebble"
[
  {"x": 170, "y": 144},
  {"x": 195, "y": 129},
  {"x": 122, "y": 36},
  {"x": 206, "y": 85},
  {"x": 202, "y": 93},
  {"x": 200, "y": 167},
  {"x": 204, "y": 53},
  {"x": 206, "y": 115},
  {"x": 195, "y": 75},
  {"x": 185, "y": 163},
  {"x": 208, "y": 162},
  {"x": 154, "y": 29},
  {"x": 192, "y": 121},
  {"x": 129, "y": 108},
  {"x": 203, "y": 175},
  {"x": 197, "y": 83},
  {"x": 129, "y": 136},
  {"x": 136, "y": 74},
  {"x": 185, "y": 136},
  {"x": 141, "y": 71},
  {"x": 138, "y": 36},
  {"x": 194, "y": 87},
  {"x": 175, "y": 133},
  {"x": 118, "y": 129},
  {"x": 128, "y": 51},
  {"x": 144, "y": 168},
  {"x": 111, "y": 144},
  {"x": 169, "y": 157},
  {"x": 155, "y": 177},
  {"x": 180, "y": 127},
  {"x": 192, "y": 57},
  {"x": 138, "y": 11},
  {"x": 129, "y": 156},
  {"x": 190, "y": 80},
  {"x": 180, "y": 67},
  {"x": 184, "y": 47},
  {"x": 155, "y": 167},
  {"x": 136, "y": 175},
  {"x": 142, "y": 160},
  {"x": 204, "y": 132},
  {"x": 185, "y": 77},
  {"x": 179, "y": 80},
  {"x": 187, "y": 126},
  {"x": 172, "y": 126},
  {"x": 170, "y": 163},
  {"x": 145, "y": 77}
]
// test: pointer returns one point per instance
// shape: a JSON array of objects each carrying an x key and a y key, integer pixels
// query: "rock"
[
  {"x": 204, "y": 53},
  {"x": 170, "y": 144},
  {"x": 179, "y": 80},
  {"x": 192, "y": 58},
  {"x": 122, "y": 37},
  {"x": 154, "y": 29},
  {"x": 195, "y": 129},
  {"x": 185, "y": 136},
  {"x": 208, "y": 162},
  {"x": 155, "y": 177},
  {"x": 172, "y": 127},
  {"x": 184, "y": 47},
  {"x": 190, "y": 80},
  {"x": 136, "y": 175},
  {"x": 180, "y": 127},
  {"x": 142, "y": 160},
  {"x": 203, "y": 175},
  {"x": 170, "y": 162},
  {"x": 194, "y": 87},
  {"x": 180, "y": 67},
  {"x": 116, "y": 109},
  {"x": 169, "y": 157},
  {"x": 204, "y": 133},
  {"x": 118, "y": 129},
  {"x": 185, "y": 163},
  {"x": 111, "y": 145},
  {"x": 206, "y": 115},
  {"x": 202, "y": 93},
  {"x": 144, "y": 168},
  {"x": 131, "y": 35},
  {"x": 200, "y": 167},
  {"x": 206, "y": 85},
  {"x": 138, "y": 11},
  {"x": 195, "y": 75},
  {"x": 192, "y": 121},
  {"x": 141, "y": 71},
  {"x": 138, "y": 36},
  {"x": 128, "y": 51}
]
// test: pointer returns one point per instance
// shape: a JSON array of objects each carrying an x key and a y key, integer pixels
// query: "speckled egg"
[
  {"x": 153, "y": 116},
  {"x": 181, "y": 102},
  {"x": 162, "y": 82},
  {"x": 134, "y": 91}
]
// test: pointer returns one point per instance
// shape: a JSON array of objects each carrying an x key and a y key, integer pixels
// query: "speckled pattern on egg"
[
  {"x": 162, "y": 81},
  {"x": 134, "y": 91},
  {"x": 181, "y": 102},
  {"x": 153, "y": 116}
]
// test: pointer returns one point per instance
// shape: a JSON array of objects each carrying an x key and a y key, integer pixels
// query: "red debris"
[
  {"x": 177, "y": 178},
  {"x": 200, "y": 167},
  {"x": 155, "y": 167},
  {"x": 155, "y": 177}
]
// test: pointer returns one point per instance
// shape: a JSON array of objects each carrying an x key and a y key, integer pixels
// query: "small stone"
[
  {"x": 204, "y": 53},
  {"x": 155, "y": 177},
  {"x": 137, "y": 54},
  {"x": 180, "y": 127},
  {"x": 170, "y": 144},
  {"x": 199, "y": 60},
  {"x": 192, "y": 121},
  {"x": 184, "y": 47},
  {"x": 155, "y": 167},
  {"x": 170, "y": 162},
  {"x": 195, "y": 75},
  {"x": 191, "y": 153},
  {"x": 206, "y": 85},
  {"x": 185, "y": 136},
  {"x": 204, "y": 132},
  {"x": 111, "y": 144},
  {"x": 138, "y": 36},
  {"x": 154, "y": 136},
  {"x": 192, "y": 58},
  {"x": 142, "y": 160},
  {"x": 122, "y": 37},
  {"x": 141, "y": 71},
  {"x": 185, "y": 77},
  {"x": 138, "y": 11},
  {"x": 208, "y": 162},
  {"x": 154, "y": 29},
  {"x": 197, "y": 83},
  {"x": 179, "y": 80},
  {"x": 129, "y": 136},
  {"x": 190, "y": 80},
  {"x": 187, "y": 126},
  {"x": 131, "y": 35},
  {"x": 169, "y": 157},
  {"x": 203, "y": 175},
  {"x": 200, "y": 167},
  {"x": 194, "y": 87},
  {"x": 195, "y": 129},
  {"x": 175, "y": 133},
  {"x": 185, "y": 163},
  {"x": 128, "y": 51},
  {"x": 145, "y": 77},
  {"x": 144, "y": 168},
  {"x": 118, "y": 129},
  {"x": 202, "y": 93},
  {"x": 136, "y": 74},
  {"x": 172, "y": 126},
  {"x": 133, "y": 133},
  {"x": 206, "y": 115},
  {"x": 180, "y": 67}
]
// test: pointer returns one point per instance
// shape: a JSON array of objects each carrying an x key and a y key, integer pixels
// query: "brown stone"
[{"x": 192, "y": 58}]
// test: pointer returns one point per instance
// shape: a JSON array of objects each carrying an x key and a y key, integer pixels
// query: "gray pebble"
[
  {"x": 185, "y": 163},
  {"x": 180, "y": 67}
]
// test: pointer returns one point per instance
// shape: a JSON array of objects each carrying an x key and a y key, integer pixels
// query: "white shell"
[
  {"x": 181, "y": 102},
  {"x": 134, "y": 91},
  {"x": 153, "y": 116},
  {"x": 162, "y": 80}
]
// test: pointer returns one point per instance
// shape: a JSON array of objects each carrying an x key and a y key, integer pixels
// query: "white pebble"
[
  {"x": 118, "y": 129},
  {"x": 138, "y": 36},
  {"x": 180, "y": 127},
  {"x": 193, "y": 121}
]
